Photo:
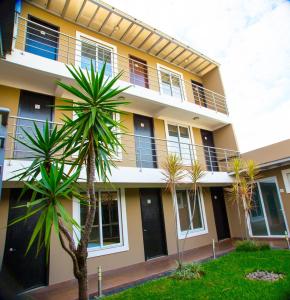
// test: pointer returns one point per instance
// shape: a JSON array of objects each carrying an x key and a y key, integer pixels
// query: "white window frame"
[
  {"x": 161, "y": 67},
  {"x": 286, "y": 180},
  {"x": 191, "y": 138},
  {"x": 110, "y": 249},
  {"x": 264, "y": 212},
  {"x": 197, "y": 231},
  {"x": 109, "y": 46}
]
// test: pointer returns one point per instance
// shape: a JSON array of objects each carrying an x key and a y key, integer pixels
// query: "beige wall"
[
  {"x": 269, "y": 153},
  {"x": 60, "y": 263},
  {"x": 225, "y": 138}
]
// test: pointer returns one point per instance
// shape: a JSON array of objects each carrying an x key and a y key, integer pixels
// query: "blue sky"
[{"x": 251, "y": 41}]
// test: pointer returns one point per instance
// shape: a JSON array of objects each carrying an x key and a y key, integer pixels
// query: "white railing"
[
  {"x": 139, "y": 151},
  {"x": 41, "y": 40}
]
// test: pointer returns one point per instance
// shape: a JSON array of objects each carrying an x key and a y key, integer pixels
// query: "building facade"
[
  {"x": 176, "y": 105},
  {"x": 270, "y": 215}
]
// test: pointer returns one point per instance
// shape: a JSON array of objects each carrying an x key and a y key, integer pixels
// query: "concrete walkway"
[{"x": 127, "y": 276}]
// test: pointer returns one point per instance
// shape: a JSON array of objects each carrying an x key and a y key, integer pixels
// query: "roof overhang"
[
  {"x": 274, "y": 164},
  {"x": 111, "y": 22}
]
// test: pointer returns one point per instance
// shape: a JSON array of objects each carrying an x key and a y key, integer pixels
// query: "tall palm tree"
[{"x": 92, "y": 136}]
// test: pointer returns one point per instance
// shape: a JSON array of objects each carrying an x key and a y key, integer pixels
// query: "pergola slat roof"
[{"x": 109, "y": 21}]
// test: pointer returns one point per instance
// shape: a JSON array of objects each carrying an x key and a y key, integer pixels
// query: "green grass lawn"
[{"x": 224, "y": 279}]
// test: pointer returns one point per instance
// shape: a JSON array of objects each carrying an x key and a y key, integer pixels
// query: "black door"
[
  {"x": 220, "y": 212},
  {"x": 144, "y": 142},
  {"x": 198, "y": 93},
  {"x": 31, "y": 106},
  {"x": 42, "y": 38},
  {"x": 152, "y": 223},
  {"x": 209, "y": 151},
  {"x": 22, "y": 271}
]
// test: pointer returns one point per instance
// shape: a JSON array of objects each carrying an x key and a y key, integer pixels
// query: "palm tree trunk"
[
  {"x": 83, "y": 279},
  {"x": 176, "y": 227}
]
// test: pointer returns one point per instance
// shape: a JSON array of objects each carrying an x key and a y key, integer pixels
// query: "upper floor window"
[
  {"x": 170, "y": 83},
  {"x": 42, "y": 38},
  {"x": 286, "y": 178},
  {"x": 179, "y": 143},
  {"x": 89, "y": 50}
]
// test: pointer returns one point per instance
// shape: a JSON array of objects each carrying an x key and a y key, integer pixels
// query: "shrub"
[
  {"x": 189, "y": 271},
  {"x": 249, "y": 245}
]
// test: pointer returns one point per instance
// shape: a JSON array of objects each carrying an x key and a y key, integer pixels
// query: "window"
[
  {"x": 89, "y": 50},
  {"x": 179, "y": 143},
  {"x": 286, "y": 178},
  {"x": 190, "y": 212},
  {"x": 109, "y": 227},
  {"x": 267, "y": 214},
  {"x": 170, "y": 83}
]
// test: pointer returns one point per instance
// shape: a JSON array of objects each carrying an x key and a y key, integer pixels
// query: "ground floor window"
[
  {"x": 267, "y": 215},
  {"x": 109, "y": 226},
  {"x": 191, "y": 214}
]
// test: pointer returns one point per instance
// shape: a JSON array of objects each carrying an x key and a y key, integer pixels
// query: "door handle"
[
  {"x": 12, "y": 249},
  {"x": 144, "y": 230}
]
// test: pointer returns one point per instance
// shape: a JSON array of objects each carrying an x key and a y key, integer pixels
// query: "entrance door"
[
  {"x": 31, "y": 106},
  {"x": 144, "y": 142},
  {"x": 267, "y": 215},
  {"x": 209, "y": 151},
  {"x": 152, "y": 223},
  {"x": 220, "y": 213},
  {"x": 42, "y": 38},
  {"x": 22, "y": 271},
  {"x": 198, "y": 93},
  {"x": 138, "y": 72}
]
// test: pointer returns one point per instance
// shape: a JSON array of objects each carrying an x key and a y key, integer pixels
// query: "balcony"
[
  {"x": 51, "y": 44},
  {"x": 140, "y": 153}
]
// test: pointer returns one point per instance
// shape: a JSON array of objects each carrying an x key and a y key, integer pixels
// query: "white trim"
[
  {"x": 274, "y": 178},
  {"x": 286, "y": 180},
  {"x": 182, "y": 86},
  {"x": 180, "y": 124},
  {"x": 198, "y": 231},
  {"x": 124, "y": 241},
  {"x": 102, "y": 43}
]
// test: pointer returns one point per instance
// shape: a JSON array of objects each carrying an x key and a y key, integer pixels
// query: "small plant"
[
  {"x": 249, "y": 246},
  {"x": 189, "y": 271}
]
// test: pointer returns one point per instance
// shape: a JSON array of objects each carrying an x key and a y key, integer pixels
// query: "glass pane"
[
  {"x": 110, "y": 218},
  {"x": 195, "y": 211},
  {"x": 105, "y": 55},
  {"x": 183, "y": 210},
  {"x": 273, "y": 207},
  {"x": 94, "y": 240},
  {"x": 88, "y": 54},
  {"x": 185, "y": 147},
  {"x": 257, "y": 218},
  {"x": 165, "y": 83},
  {"x": 173, "y": 140},
  {"x": 176, "y": 86}
]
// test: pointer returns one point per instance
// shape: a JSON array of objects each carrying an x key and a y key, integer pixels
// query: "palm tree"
[
  {"x": 174, "y": 172},
  {"x": 92, "y": 136},
  {"x": 242, "y": 190},
  {"x": 195, "y": 173}
]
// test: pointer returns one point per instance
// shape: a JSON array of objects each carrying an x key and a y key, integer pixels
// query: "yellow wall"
[{"x": 123, "y": 50}]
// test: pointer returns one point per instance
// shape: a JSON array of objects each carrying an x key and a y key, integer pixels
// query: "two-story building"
[{"x": 177, "y": 105}]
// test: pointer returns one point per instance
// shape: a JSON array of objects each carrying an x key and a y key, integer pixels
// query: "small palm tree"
[
  {"x": 174, "y": 172},
  {"x": 195, "y": 173},
  {"x": 242, "y": 190}
]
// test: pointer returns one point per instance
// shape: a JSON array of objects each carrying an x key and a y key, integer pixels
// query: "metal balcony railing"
[
  {"x": 50, "y": 43},
  {"x": 139, "y": 151}
]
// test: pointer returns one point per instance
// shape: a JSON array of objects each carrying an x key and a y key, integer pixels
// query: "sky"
[{"x": 251, "y": 41}]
